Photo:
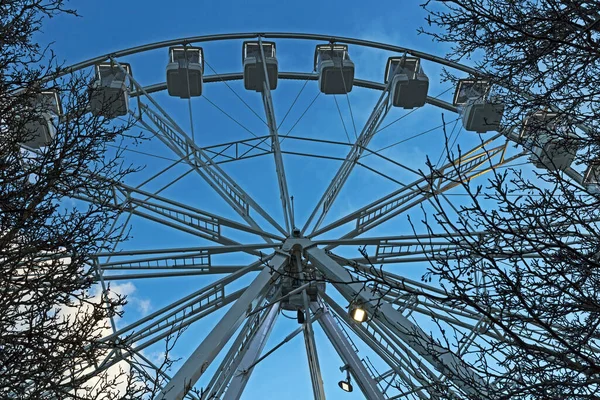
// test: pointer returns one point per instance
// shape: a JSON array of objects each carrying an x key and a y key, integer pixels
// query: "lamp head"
[
  {"x": 358, "y": 313},
  {"x": 346, "y": 386}
]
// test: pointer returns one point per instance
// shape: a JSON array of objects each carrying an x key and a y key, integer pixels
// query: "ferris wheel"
[{"x": 301, "y": 267}]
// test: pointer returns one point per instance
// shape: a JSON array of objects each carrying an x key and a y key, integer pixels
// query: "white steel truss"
[
  {"x": 377, "y": 116},
  {"x": 166, "y": 129},
  {"x": 474, "y": 163},
  {"x": 275, "y": 145},
  {"x": 443, "y": 359},
  {"x": 197, "y": 363}
]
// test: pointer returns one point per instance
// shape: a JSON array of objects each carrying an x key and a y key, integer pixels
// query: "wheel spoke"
[
  {"x": 232, "y": 374},
  {"x": 135, "y": 337},
  {"x": 348, "y": 353},
  {"x": 474, "y": 163},
  {"x": 374, "y": 121},
  {"x": 199, "y": 250},
  {"x": 309, "y": 336},
  {"x": 173, "y": 274},
  {"x": 193, "y": 306},
  {"x": 205, "y": 353},
  {"x": 175, "y": 214},
  {"x": 443, "y": 359},
  {"x": 165, "y": 128},
  {"x": 388, "y": 351},
  {"x": 275, "y": 145}
]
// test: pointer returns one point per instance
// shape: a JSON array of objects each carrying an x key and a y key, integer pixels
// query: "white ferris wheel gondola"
[
  {"x": 408, "y": 83},
  {"x": 184, "y": 71},
  {"x": 110, "y": 91},
  {"x": 551, "y": 141},
  {"x": 253, "y": 65},
  {"x": 479, "y": 111},
  {"x": 41, "y": 129},
  {"x": 335, "y": 68}
]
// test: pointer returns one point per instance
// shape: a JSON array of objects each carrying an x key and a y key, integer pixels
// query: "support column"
[
  {"x": 346, "y": 352},
  {"x": 309, "y": 336},
  {"x": 210, "y": 347},
  {"x": 255, "y": 347}
]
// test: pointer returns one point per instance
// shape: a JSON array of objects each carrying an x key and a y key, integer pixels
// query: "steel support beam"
[
  {"x": 474, "y": 163},
  {"x": 289, "y": 337},
  {"x": 165, "y": 129},
  {"x": 314, "y": 367},
  {"x": 176, "y": 215},
  {"x": 198, "y": 260},
  {"x": 181, "y": 312},
  {"x": 157, "y": 371},
  {"x": 122, "y": 350},
  {"x": 242, "y": 343},
  {"x": 275, "y": 145},
  {"x": 171, "y": 274},
  {"x": 387, "y": 351},
  {"x": 377, "y": 116},
  {"x": 348, "y": 355},
  {"x": 125, "y": 194},
  {"x": 200, "y": 251},
  {"x": 395, "y": 241},
  {"x": 242, "y": 373},
  {"x": 443, "y": 359},
  {"x": 202, "y": 357}
]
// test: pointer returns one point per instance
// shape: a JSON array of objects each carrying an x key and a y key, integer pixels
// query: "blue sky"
[{"x": 108, "y": 26}]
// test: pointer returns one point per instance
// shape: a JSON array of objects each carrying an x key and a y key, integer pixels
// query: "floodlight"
[{"x": 358, "y": 313}]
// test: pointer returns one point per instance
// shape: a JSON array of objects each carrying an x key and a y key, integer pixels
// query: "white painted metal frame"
[
  {"x": 201, "y": 358},
  {"x": 377, "y": 116},
  {"x": 255, "y": 347},
  {"x": 349, "y": 355},
  {"x": 411, "y": 354},
  {"x": 166, "y": 129},
  {"x": 275, "y": 145}
]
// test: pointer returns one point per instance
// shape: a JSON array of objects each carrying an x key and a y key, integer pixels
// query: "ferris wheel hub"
[
  {"x": 296, "y": 275},
  {"x": 296, "y": 244}
]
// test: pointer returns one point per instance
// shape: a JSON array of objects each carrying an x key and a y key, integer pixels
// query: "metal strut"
[
  {"x": 443, "y": 359},
  {"x": 205, "y": 353},
  {"x": 231, "y": 376},
  {"x": 167, "y": 130},
  {"x": 255, "y": 347},
  {"x": 270, "y": 113},
  {"x": 388, "y": 352},
  {"x": 468, "y": 166},
  {"x": 378, "y": 114},
  {"x": 309, "y": 336},
  {"x": 348, "y": 355}
]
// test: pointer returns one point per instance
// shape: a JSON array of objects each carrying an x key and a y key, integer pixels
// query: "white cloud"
[
  {"x": 143, "y": 306},
  {"x": 119, "y": 372},
  {"x": 157, "y": 357},
  {"x": 123, "y": 289}
]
